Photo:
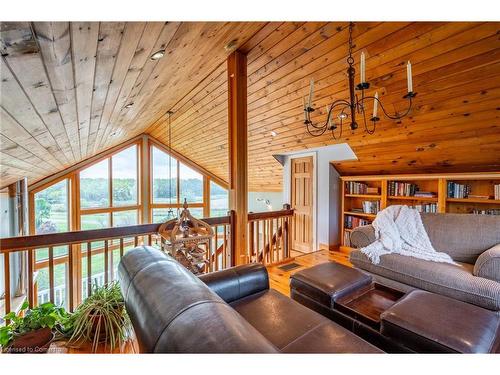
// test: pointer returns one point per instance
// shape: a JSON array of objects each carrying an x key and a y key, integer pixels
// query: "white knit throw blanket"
[{"x": 399, "y": 230}]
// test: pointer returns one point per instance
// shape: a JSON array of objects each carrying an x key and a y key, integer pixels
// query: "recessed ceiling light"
[
  {"x": 129, "y": 105},
  {"x": 273, "y": 133},
  {"x": 158, "y": 55}
]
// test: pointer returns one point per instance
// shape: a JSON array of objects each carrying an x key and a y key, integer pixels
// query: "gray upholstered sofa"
[{"x": 473, "y": 241}]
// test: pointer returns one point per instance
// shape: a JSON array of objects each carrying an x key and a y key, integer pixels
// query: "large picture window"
[
  {"x": 164, "y": 177},
  {"x": 124, "y": 177},
  {"x": 94, "y": 186},
  {"x": 52, "y": 215},
  {"x": 109, "y": 191},
  {"x": 172, "y": 181},
  {"x": 219, "y": 200}
]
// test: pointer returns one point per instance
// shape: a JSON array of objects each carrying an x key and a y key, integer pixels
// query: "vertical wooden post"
[
  {"x": 442, "y": 195},
  {"x": 7, "y": 296},
  {"x": 144, "y": 178},
  {"x": 206, "y": 196},
  {"x": 232, "y": 224},
  {"x": 383, "y": 194},
  {"x": 238, "y": 166}
]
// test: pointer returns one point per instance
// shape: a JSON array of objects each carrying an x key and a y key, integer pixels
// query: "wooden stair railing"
[
  {"x": 269, "y": 236},
  {"x": 48, "y": 254},
  {"x": 83, "y": 259}
]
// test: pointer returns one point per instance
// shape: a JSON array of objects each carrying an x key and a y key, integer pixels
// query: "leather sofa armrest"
[
  {"x": 362, "y": 236},
  {"x": 488, "y": 264},
  {"x": 237, "y": 282}
]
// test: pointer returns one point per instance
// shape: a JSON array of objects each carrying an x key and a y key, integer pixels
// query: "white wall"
[
  {"x": 276, "y": 199},
  {"x": 328, "y": 202}
]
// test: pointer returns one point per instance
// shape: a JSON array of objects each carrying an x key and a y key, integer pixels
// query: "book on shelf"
[
  {"x": 425, "y": 194},
  {"x": 352, "y": 187},
  {"x": 491, "y": 211},
  {"x": 371, "y": 207},
  {"x": 351, "y": 222},
  {"x": 456, "y": 190},
  {"x": 427, "y": 208},
  {"x": 473, "y": 196},
  {"x": 347, "y": 239},
  {"x": 403, "y": 189},
  {"x": 497, "y": 191}
]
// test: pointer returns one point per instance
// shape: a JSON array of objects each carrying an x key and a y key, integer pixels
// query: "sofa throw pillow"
[{"x": 488, "y": 264}]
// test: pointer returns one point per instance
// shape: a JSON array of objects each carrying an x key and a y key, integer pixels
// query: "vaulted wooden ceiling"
[{"x": 65, "y": 88}]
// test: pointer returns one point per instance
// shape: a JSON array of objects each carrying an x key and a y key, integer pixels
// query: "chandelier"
[{"x": 356, "y": 103}]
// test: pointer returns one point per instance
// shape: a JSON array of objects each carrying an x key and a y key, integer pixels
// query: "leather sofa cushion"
[
  {"x": 428, "y": 322},
  {"x": 455, "y": 281},
  {"x": 172, "y": 311},
  {"x": 329, "y": 281},
  {"x": 293, "y": 328},
  {"x": 237, "y": 282},
  {"x": 488, "y": 264}
]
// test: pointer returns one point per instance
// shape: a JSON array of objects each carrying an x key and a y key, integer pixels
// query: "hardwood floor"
[{"x": 280, "y": 280}]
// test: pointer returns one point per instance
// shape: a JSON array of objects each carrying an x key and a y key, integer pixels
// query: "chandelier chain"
[{"x": 350, "y": 59}]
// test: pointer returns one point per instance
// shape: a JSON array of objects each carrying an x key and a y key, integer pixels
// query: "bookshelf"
[{"x": 436, "y": 190}]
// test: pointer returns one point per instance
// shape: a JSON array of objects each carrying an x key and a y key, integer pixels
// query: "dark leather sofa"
[{"x": 231, "y": 311}]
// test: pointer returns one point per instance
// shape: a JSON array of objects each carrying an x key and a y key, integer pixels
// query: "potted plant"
[
  {"x": 101, "y": 319},
  {"x": 32, "y": 330}
]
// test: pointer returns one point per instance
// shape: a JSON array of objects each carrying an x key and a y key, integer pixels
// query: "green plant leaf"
[
  {"x": 5, "y": 336},
  {"x": 25, "y": 305}
]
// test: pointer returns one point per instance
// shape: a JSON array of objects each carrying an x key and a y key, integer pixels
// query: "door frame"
[{"x": 314, "y": 191}]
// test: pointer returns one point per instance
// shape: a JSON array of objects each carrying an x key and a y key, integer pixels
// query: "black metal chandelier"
[{"x": 355, "y": 105}]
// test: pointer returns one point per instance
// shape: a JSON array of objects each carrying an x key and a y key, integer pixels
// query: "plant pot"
[{"x": 37, "y": 341}]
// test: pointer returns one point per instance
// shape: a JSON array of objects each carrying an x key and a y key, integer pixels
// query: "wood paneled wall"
[{"x": 453, "y": 127}]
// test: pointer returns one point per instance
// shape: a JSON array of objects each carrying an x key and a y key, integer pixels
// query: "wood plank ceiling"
[{"x": 65, "y": 88}]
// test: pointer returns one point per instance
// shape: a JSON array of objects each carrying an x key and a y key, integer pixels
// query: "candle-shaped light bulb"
[
  {"x": 408, "y": 77},
  {"x": 362, "y": 69},
  {"x": 311, "y": 91},
  {"x": 375, "y": 105}
]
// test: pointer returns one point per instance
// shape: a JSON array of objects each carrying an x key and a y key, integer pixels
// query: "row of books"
[
  {"x": 456, "y": 190},
  {"x": 351, "y": 222},
  {"x": 352, "y": 187},
  {"x": 497, "y": 191},
  {"x": 405, "y": 189},
  {"x": 491, "y": 211},
  {"x": 371, "y": 207},
  {"x": 347, "y": 239},
  {"x": 428, "y": 207}
]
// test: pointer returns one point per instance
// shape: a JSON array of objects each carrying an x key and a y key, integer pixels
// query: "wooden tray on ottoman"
[{"x": 367, "y": 303}]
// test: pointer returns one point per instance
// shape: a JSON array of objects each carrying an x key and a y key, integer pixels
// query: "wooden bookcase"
[{"x": 480, "y": 184}]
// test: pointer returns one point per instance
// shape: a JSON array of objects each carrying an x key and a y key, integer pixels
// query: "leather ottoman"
[
  {"x": 431, "y": 323},
  {"x": 327, "y": 282}
]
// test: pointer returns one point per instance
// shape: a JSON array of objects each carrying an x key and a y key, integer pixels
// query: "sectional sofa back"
[
  {"x": 173, "y": 311},
  {"x": 464, "y": 237}
]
